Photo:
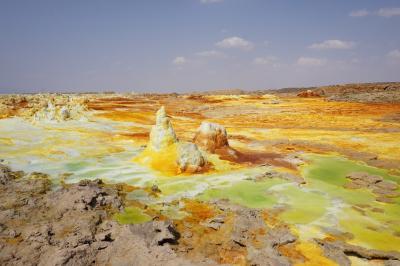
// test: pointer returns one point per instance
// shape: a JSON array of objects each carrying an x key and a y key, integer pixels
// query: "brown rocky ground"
[{"x": 71, "y": 225}]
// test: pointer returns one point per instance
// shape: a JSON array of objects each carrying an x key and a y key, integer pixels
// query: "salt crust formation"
[
  {"x": 68, "y": 111},
  {"x": 44, "y": 107},
  {"x": 211, "y": 136},
  {"x": 163, "y": 142},
  {"x": 162, "y": 133}
]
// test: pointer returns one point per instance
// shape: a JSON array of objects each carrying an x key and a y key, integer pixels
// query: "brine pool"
[{"x": 75, "y": 150}]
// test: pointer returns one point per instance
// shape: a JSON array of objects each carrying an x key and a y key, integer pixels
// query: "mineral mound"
[
  {"x": 211, "y": 136},
  {"x": 166, "y": 153}
]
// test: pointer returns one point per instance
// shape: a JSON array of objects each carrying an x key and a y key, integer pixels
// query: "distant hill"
[
  {"x": 381, "y": 92},
  {"x": 344, "y": 88}
]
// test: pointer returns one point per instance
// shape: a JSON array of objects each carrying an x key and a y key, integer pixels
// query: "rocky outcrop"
[
  {"x": 340, "y": 251},
  {"x": 5, "y": 175},
  {"x": 308, "y": 94},
  {"x": 267, "y": 252},
  {"x": 234, "y": 235},
  {"x": 71, "y": 226},
  {"x": 211, "y": 136}
]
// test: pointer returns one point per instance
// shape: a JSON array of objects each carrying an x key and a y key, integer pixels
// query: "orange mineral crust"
[{"x": 270, "y": 123}]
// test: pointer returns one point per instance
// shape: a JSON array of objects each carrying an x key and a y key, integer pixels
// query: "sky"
[{"x": 195, "y": 45}]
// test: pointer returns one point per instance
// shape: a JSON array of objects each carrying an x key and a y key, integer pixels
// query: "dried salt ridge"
[
  {"x": 165, "y": 148},
  {"x": 384, "y": 190}
]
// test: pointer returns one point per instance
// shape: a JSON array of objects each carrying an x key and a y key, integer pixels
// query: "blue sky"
[{"x": 186, "y": 45}]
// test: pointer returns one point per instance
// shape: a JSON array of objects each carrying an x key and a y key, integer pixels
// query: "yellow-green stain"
[
  {"x": 247, "y": 193},
  {"x": 305, "y": 206},
  {"x": 179, "y": 186},
  {"x": 370, "y": 229},
  {"x": 333, "y": 169},
  {"x": 369, "y": 232},
  {"x": 132, "y": 215}
]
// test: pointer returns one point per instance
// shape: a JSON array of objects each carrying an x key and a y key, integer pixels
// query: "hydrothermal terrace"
[{"x": 283, "y": 178}]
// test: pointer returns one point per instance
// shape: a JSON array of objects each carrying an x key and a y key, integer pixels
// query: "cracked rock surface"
[{"x": 71, "y": 226}]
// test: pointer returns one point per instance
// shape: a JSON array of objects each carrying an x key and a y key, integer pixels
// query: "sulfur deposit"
[
  {"x": 44, "y": 107},
  {"x": 162, "y": 134},
  {"x": 190, "y": 158},
  {"x": 211, "y": 136},
  {"x": 166, "y": 153},
  {"x": 66, "y": 111}
]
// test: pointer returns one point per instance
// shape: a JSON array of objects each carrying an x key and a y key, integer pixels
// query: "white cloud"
[
  {"x": 310, "y": 61},
  {"x": 210, "y": 1},
  {"x": 359, "y": 13},
  {"x": 395, "y": 54},
  {"x": 386, "y": 12},
  {"x": 389, "y": 12},
  {"x": 235, "y": 42},
  {"x": 269, "y": 60},
  {"x": 210, "y": 53},
  {"x": 180, "y": 60},
  {"x": 332, "y": 44}
]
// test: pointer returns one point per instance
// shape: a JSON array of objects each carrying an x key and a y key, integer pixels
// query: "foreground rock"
[
  {"x": 72, "y": 226},
  {"x": 233, "y": 235}
]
